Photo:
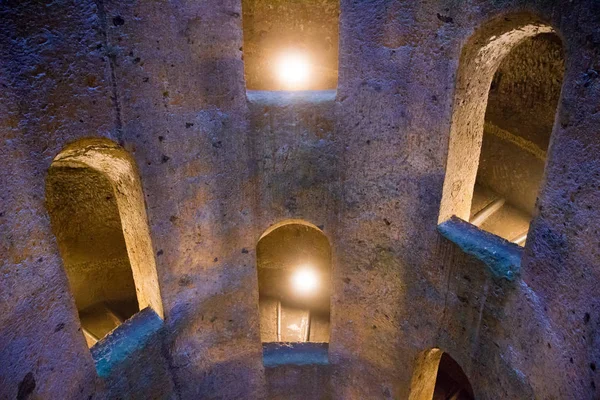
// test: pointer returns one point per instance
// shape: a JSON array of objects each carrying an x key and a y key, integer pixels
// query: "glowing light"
[
  {"x": 293, "y": 70},
  {"x": 305, "y": 280}
]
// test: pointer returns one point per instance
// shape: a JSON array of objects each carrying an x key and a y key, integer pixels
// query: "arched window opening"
[
  {"x": 438, "y": 376},
  {"x": 96, "y": 207},
  {"x": 518, "y": 123},
  {"x": 507, "y": 93},
  {"x": 291, "y": 45},
  {"x": 87, "y": 225},
  {"x": 294, "y": 274}
]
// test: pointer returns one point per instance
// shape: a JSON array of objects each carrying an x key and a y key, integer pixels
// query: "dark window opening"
[{"x": 451, "y": 383}]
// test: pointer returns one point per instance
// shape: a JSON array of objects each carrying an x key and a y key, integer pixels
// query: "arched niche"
[
  {"x": 437, "y": 376},
  {"x": 294, "y": 279},
  {"x": 503, "y": 113},
  {"x": 96, "y": 207}
]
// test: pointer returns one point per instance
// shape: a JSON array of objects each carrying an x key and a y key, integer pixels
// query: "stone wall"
[
  {"x": 396, "y": 94},
  {"x": 55, "y": 89},
  {"x": 165, "y": 80}
]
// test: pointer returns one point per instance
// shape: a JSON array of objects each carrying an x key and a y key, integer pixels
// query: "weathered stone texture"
[
  {"x": 165, "y": 80},
  {"x": 54, "y": 89}
]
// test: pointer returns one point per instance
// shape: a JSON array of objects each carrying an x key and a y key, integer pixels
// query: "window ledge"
[
  {"x": 283, "y": 353},
  {"x": 501, "y": 256},
  {"x": 129, "y": 337},
  {"x": 288, "y": 98}
]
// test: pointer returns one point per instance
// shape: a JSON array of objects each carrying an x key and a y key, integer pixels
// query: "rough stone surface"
[
  {"x": 297, "y": 382},
  {"x": 165, "y": 80},
  {"x": 297, "y": 370},
  {"x": 278, "y": 354},
  {"x": 120, "y": 345},
  {"x": 502, "y": 257}
]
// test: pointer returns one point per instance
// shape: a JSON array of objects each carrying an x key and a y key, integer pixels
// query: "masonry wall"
[
  {"x": 56, "y": 88},
  {"x": 179, "y": 75},
  {"x": 397, "y": 93},
  {"x": 49, "y": 58},
  {"x": 166, "y": 81}
]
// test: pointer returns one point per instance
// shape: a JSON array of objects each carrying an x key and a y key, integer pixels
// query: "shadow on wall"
[
  {"x": 438, "y": 377},
  {"x": 96, "y": 206}
]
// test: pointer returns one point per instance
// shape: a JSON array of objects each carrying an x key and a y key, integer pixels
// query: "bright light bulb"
[
  {"x": 293, "y": 70},
  {"x": 305, "y": 280}
]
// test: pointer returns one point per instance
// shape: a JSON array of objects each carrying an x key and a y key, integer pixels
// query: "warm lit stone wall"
[
  {"x": 55, "y": 89},
  {"x": 179, "y": 76},
  {"x": 166, "y": 81},
  {"x": 417, "y": 291}
]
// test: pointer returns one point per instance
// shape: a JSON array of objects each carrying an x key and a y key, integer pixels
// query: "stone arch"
[
  {"x": 96, "y": 206},
  {"x": 480, "y": 58},
  {"x": 438, "y": 376},
  {"x": 283, "y": 251}
]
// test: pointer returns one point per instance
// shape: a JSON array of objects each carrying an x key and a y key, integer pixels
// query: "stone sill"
[
  {"x": 501, "y": 256},
  {"x": 284, "y": 353},
  {"x": 287, "y": 98},
  {"x": 124, "y": 340}
]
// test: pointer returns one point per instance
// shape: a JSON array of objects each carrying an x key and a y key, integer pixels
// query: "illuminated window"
[
  {"x": 294, "y": 273},
  {"x": 507, "y": 92},
  {"x": 291, "y": 45},
  {"x": 95, "y": 203}
]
